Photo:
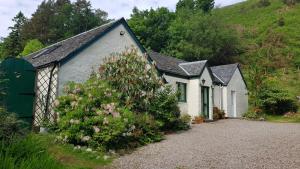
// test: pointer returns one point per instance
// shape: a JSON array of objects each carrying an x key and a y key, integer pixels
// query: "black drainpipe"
[{"x": 48, "y": 92}]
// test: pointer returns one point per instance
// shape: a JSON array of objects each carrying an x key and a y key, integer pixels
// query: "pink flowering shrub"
[
  {"x": 133, "y": 76},
  {"x": 142, "y": 89},
  {"x": 90, "y": 114}
]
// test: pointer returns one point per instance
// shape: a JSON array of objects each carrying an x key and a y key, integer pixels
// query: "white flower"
[
  {"x": 105, "y": 121},
  {"x": 96, "y": 129},
  {"x": 89, "y": 150},
  {"x": 85, "y": 138},
  {"x": 105, "y": 157},
  {"x": 56, "y": 103}
]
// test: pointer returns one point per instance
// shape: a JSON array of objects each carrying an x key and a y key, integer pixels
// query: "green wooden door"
[
  {"x": 205, "y": 101},
  {"x": 19, "y": 77}
]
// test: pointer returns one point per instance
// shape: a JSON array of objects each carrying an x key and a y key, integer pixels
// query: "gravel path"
[{"x": 226, "y": 144}]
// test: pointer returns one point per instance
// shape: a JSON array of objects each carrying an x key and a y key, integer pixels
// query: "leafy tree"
[
  {"x": 195, "y": 5},
  {"x": 201, "y": 36},
  {"x": 84, "y": 18},
  {"x": 274, "y": 99},
  {"x": 38, "y": 27},
  {"x": 13, "y": 44},
  {"x": 151, "y": 27},
  {"x": 32, "y": 46}
]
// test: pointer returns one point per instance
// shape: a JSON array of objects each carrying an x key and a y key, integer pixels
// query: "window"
[{"x": 181, "y": 87}]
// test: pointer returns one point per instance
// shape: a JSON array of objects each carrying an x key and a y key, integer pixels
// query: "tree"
[
  {"x": 38, "y": 27},
  {"x": 13, "y": 44},
  {"x": 32, "y": 46},
  {"x": 204, "y": 5},
  {"x": 151, "y": 27},
  {"x": 84, "y": 17},
  {"x": 195, "y": 5},
  {"x": 200, "y": 36}
]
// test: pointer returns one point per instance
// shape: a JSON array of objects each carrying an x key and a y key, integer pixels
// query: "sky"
[{"x": 115, "y": 8}]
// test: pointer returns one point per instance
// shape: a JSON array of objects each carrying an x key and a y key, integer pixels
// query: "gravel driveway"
[{"x": 223, "y": 144}]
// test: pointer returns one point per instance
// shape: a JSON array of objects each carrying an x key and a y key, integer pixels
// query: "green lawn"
[
  {"x": 282, "y": 119},
  {"x": 71, "y": 158}
]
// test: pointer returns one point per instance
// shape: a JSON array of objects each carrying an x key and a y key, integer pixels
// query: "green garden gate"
[{"x": 18, "y": 87}]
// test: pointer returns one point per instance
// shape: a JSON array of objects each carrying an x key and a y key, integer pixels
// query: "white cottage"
[
  {"x": 74, "y": 59},
  {"x": 192, "y": 79},
  {"x": 202, "y": 87}
]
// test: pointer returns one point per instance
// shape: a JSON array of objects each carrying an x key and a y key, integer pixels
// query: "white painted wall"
[
  {"x": 79, "y": 68},
  {"x": 193, "y": 104},
  {"x": 172, "y": 81},
  {"x": 237, "y": 84}
]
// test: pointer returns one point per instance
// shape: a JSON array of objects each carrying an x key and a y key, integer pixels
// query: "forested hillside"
[{"x": 270, "y": 35}]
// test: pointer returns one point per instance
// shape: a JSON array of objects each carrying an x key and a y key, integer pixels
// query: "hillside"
[{"x": 271, "y": 39}]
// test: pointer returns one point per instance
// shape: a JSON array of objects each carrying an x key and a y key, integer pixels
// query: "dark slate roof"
[
  {"x": 167, "y": 64},
  {"x": 63, "y": 49},
  {"x": 193, "y": 68},
  {"x": 223, "y": 73}
]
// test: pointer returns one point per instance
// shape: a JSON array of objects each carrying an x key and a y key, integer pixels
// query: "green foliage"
[
  {"x": 32, "y": 46},
  {"x": 13, "y": 44},
  {"x": 264, "y": 3},
  {"x": 254, "y": 114},
  {"x": 131, "y": 75},
  {"x": 142, "y": 90},
  {"x": 290, "y": 2},
  {"x": 164, "y": 107},
  {"x": 26, "y": 153},
  {"x": 151, "y": 27},
  {"x": 51, "y": 22},
  {"x": 197, "y": 5},
  {"x": 275, "y": 100},
  {"x": 200, "y": 36},
  {"x": 90, "y": 114},
  {"x": 10, "y": 126}
]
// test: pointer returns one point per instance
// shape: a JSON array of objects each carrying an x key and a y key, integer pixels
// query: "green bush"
[
  {"x": 164, "y": 108},
  {"x": 274, "y": 99},
  {"x": 90, "y": 114},
  {"x": 254, "y": 114},
  {"x": 264, "y": 3},
  {"x": 10, "y": 126},
  {"x": 141, "y": 87},
  {"x": 131, "y": 75},
  {"x": 26, "y": 153}
]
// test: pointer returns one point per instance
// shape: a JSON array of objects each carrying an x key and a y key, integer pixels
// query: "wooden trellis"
[{"x": 46, "y": 92}]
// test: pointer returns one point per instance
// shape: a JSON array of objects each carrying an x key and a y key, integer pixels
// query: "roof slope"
[
  {"x": 193, "y": 68},
  {"x": 63, "y": 49},
  {"x": 223, "y": 73},
  {"x": 167, "y": 64},
  {"x": 176, "y": 66}
]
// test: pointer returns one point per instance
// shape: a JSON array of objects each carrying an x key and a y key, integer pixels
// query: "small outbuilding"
[{"x": 230, "y": 90}]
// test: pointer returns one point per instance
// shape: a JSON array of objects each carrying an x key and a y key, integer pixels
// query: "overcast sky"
[{"x": 115, "y": 8}]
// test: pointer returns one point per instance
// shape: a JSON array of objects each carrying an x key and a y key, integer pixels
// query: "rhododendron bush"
[
  {"x": 133, "y": 76},
  {"x": 125, "y": 104},
  {"x": 90, "y": 114}
]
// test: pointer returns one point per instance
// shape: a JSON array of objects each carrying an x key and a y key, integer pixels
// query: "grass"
[
  {"x": 258, "y": 29},
  {"x": 283, "y": 119},
  {"x": 40, "y": 151},
  {"x": 71, "y": 158}
]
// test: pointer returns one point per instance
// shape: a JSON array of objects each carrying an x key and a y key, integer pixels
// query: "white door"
[{"x": 233, "y": 104}]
